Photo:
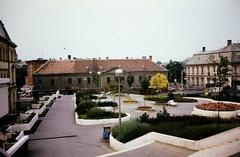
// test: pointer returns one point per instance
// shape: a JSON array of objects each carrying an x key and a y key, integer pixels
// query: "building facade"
[
  {"x": 32, "y": 66},
  {"x": 4, "y": 105},
  {"x": 8, "y": 58},
  {"x": 201, "y": 67},
  {"x": 71, "y": 75}
]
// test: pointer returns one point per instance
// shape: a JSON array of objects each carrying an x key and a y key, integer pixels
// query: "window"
[
  {"x": 79, "y": 80},
  {"x": 116, "y": 79},
  {"x": 108, "y": 79},
  {"x": 122, "y": 79},
  {"x": 39, "y": 81},
  {"x": 197, "y": 70},
  {"x": 69, "y": 80},
  {"x": 202, "y": 69},
  {"x": 140, "y": 78},
  {"x": 52, "y": 82},
  {"x": 89, "y": 80}
]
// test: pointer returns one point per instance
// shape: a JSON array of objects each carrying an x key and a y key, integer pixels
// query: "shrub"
[
  {"x": 161, "y": 99},
  {"x": 163, "y": 114},
  {"x": 84, "y": 106},
  {"x": 96, "y": 113},
  {"x": 107, "y": 103},
  {"x": 144, "y": 117},
  {"x": 170, "y": 95},
  {"x": 190, "y": 127}
]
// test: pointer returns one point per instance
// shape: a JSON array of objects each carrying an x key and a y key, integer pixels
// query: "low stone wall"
[
  {"x": 99, "y": 121},
  {"x": 222, "y": 114},
  {"x": 11, "y": 151}
]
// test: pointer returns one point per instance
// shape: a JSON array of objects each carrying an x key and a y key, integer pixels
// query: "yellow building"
[
  {"x": 8, "y": 65},
  {"x": 202, "y": 66}
]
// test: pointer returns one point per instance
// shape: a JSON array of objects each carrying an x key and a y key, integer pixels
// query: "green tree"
[
  {"x": 144, "y": 85},
  {"x": 175, "y": 71},
  {"x": 220, "y": 79},
  {"x": 21, "y": 73},
  {"x": 130, "y": 80}
]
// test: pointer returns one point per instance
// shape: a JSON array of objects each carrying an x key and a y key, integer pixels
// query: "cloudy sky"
[{"x": 165, "y": 29}]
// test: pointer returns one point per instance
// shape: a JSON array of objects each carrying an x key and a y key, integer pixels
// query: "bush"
[
  {"x": 84, "y": 106},
  {"x": 107, "y": 103},
  {"x": 161, "y": 99},
  {"x": 96, "y": 113},
  {"x": 144, "y": 117},
  {"x": 170, "y": 95},
  {"x": 163, "y": 114}
]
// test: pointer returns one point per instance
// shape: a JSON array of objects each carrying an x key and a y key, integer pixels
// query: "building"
[
  {"x": 4, "y": 105},
  {"x": 32, "y": 66},
  {"x": 8, "y": 65},
  {"x": 70, "y": 75},
  {"x": 202, "y": 66}
]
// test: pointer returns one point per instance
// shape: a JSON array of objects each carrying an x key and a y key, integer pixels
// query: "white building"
[
  {"x": 4, "y": 107},
  {"x": 202, "y": 66}
]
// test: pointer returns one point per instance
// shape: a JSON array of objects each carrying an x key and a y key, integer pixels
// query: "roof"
[
  {"x": 231, "y": 48},
  {"x": 84, "y": 66},
  {"x": 212, "y": 56},
  {"x": 4, "y": 35}
]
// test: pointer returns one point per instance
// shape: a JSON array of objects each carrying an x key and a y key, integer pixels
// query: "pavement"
[
  {"x": 157, "y": 149},
  {"x": 59, "y": 136}
]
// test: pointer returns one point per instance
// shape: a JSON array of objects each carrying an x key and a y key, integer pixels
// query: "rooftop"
[
  {"x": 4, "y": 35},
  {"x": 104, "y": 65}
]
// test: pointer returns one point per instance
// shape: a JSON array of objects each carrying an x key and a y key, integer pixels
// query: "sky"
[{"x": 165, "y": 29}]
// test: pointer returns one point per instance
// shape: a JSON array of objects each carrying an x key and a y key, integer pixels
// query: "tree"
[
  {"x": 21, "y": 73},
  {"x": 175, "y": 71},
  {"x": 220, "y": 79},
  {"x": 144, "y": 85},
  {"x": 159, "y": 82},
  {"x": 130, "y": 80}
]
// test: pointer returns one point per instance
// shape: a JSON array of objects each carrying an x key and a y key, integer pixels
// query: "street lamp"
[
  {"x": 100, "y": 81},
  {"x": 118, "y": 72},
  {"x": 90, "y": 72}
]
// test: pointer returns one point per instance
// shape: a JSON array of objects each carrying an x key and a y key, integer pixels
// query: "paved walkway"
[
  {"x": 157, "y": 149},
  {"x": 59, "y": 136}
]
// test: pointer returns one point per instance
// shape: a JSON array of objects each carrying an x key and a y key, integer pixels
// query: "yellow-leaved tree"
[{"x": 159, "y": 82}]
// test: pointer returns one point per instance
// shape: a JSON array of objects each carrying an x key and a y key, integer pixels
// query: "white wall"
[{"x": 4, "y": 108}]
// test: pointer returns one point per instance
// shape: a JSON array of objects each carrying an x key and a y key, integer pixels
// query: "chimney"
[
  {"x": 126, "y": 57},
  {"x": 144, "y": 57},
  {"x": 107, "y": 57},
  {"x": 69, "y": 57},
  {"x": 229, "y": 42},
  {"x": 203, "y": 49},
  {"x": 150, "y": 57},
  {"x": 60, "y": 58},
  {"x": 99, "y": 58}
]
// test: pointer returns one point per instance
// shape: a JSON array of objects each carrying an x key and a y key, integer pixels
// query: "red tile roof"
[{"x": 84, "y": 66}]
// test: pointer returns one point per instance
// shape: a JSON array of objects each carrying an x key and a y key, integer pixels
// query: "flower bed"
[
  {"x": 145, "y": 108},
  {"x": 218, "y": 106},
  {"x": 129, "y": 100},
  {"x": 165, "y": 99}
]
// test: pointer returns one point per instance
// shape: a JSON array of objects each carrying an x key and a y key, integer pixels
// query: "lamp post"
[
  {"x": 90, "y": 72},
  {"x": 100, "y": 81},
  {"x": 118, "y": 72}
]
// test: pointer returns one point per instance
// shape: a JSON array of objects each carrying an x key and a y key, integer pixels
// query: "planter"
[
  {"x": 40, "y": 110},
  {"x": 129, "y": 100},
  {"x": 208, "y": 113},
  {"x": 24, "y": 126},
  {"x": 145, "y": 108},
  {"x": 99, "y": 121}
]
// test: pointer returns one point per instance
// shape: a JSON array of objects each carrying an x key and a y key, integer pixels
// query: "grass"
[{"x": 189, "y": 127}]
